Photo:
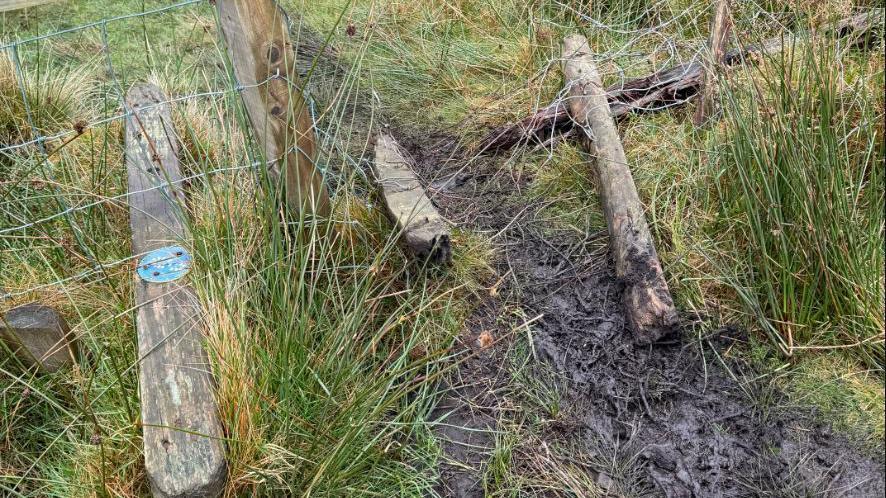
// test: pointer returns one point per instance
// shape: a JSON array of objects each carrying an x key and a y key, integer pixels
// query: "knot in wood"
[{"x": 273, "y": 53}]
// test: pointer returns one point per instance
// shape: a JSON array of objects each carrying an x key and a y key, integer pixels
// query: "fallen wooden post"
[
  {"x": 721, "y": 24},
  {"x": 38, "y": 335},
  {"x": 264, "y": 64},
  {"x": 424, "y": 232},
  {"x": 184, "y": 452},
  {"x": 649, "y": 308},
  {"x": 7, "y": 5},
  {"x": 664, "y": 89}
]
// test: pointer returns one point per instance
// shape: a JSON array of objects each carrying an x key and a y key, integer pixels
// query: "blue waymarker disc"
[{"x": 166, "y": 264}]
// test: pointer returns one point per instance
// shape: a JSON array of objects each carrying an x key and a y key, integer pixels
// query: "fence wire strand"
[{"x": 329, "y": 143}]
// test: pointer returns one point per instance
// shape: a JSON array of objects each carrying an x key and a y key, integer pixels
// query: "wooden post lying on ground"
[
  {"x": 649, "y": 308},
  {"x": 264, "y": 65},
  {"x": 667, "y": 88},
  {"x": 184, "y": 452},
  {"x": 422, "y": 229},
  {"x": 38, "y": 335},
  {"x": 721, "y": 24},
  {"x": 7, "y": 5}
]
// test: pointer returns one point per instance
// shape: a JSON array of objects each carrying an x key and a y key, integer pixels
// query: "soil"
[
  {"x": 679, "y": 417},
  {"x": 680, "y": 421}
]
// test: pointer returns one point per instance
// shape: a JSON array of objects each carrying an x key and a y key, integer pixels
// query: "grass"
[
  {"x": 327, "y": 354},
  {"x": 323, "y": 350},
  {"x": 320, "y": 348},
  {"x": 804, "y": 147}
]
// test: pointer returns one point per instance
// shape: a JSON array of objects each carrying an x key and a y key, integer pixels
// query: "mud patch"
[{"x": 682, "y": 417}]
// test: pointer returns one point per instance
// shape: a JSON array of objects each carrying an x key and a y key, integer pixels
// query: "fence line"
[
  {"x": 103, "y": 21},
  {"x": 328, "y": 147}
]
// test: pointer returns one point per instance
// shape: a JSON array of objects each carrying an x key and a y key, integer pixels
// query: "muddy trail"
[{"x": 670, "y": 418}]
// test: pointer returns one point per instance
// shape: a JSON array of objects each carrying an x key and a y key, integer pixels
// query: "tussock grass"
[
  {"x": 804, "y": 152},
  {"x": 326, "y": 342},
  {"x": 50, "y": 97},
  {"x": 326, "y": 352}
]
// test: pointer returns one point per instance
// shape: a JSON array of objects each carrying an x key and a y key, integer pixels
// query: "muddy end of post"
[{"x": 650, "y": 312}]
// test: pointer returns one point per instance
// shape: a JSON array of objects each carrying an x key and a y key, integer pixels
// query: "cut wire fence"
[
  {"x": 330, "y": 147},
  {"x": 43, "y": 148}
]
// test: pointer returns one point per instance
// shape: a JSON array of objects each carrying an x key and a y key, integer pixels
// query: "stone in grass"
[{"x": 38, "y": 335}]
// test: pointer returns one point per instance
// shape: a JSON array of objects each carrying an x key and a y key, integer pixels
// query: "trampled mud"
[{"x": 689, "y": 422}]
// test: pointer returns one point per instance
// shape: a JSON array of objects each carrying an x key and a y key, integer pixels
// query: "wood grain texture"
[
  {"x": 38, "y": 335},
  {"x": 184, "y": 455},
  {"x": 721, "y": 25},
  {"x": 264, "y": 64},
  {"x": 8, "y": 5},
  {"x": 424, "y": 232},
  {"x": 649, "y": 309}
]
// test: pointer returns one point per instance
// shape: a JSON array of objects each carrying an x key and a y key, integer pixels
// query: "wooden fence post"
[
  {"x": 7, "y": 5},
  {"x": 263, "y": 59},
  {"x": 38, "y": 335},
  {"x": 422, "y": 229},
  {"x": 649, "y": 308},
  {"x": 721, "y": 24},
  {"x": 184, "y": 452}
]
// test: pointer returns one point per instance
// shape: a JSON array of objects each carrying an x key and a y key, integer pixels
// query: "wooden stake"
[
  {"x": 422, "y": 229},
  {"x": 184, "y": 452},
  {"x": 264, "y": 65},
  {"x": 38, "y": 335},
  {"x": 721, "y": 24},
  {"x": 649, "y": 309},
  {"x": 7, "y": 5}
]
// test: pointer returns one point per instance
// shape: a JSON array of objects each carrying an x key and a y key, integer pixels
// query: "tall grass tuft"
[
  {"x": 326, "y": 348},
  {"x": 803, "y": 177}
]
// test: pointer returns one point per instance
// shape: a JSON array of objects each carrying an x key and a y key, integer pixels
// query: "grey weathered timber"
[
  {"x": 7, "y": 5},
  {"x": 721, "y": 23},
  {"x": 264, "y": 64},
  {"x": 669, "y": 87},
  {"x": 649, "y": 308},
  {"x": 422, "y": 229},
  {"x": 184, "y": 452},
  {"x": 38, "y": 335}
]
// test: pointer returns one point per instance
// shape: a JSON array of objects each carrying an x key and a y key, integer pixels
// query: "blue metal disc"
[{"x": 166, "y": 264}]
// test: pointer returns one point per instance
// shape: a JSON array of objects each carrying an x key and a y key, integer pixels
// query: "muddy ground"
[{"x": 668, "y": 416}]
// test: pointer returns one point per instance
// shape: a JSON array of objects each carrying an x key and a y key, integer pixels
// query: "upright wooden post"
[
  {"x": 263, "y": 57},
  {"x": 720, "y": 26},
  {"x": 38, "y": 335},
  {"x": 649, "y": 308},
  {"x": 184, "y": 452}
]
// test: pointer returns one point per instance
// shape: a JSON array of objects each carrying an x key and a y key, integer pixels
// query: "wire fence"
[
  {"x": 42, "y": 147},
  {"x": 40, "y": 151}
]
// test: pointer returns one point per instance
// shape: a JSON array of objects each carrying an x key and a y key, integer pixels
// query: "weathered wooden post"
[
  {"x": 7, "y": 5},
  {"x": 184, "y": 452},
  {"x": 38, "y": 335},
  {"x": 721, "y": 23},
  {"x": 263, "y": 59},
  {"x": 649, "y": 308},
  {"x": 424, "y": 232}
]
